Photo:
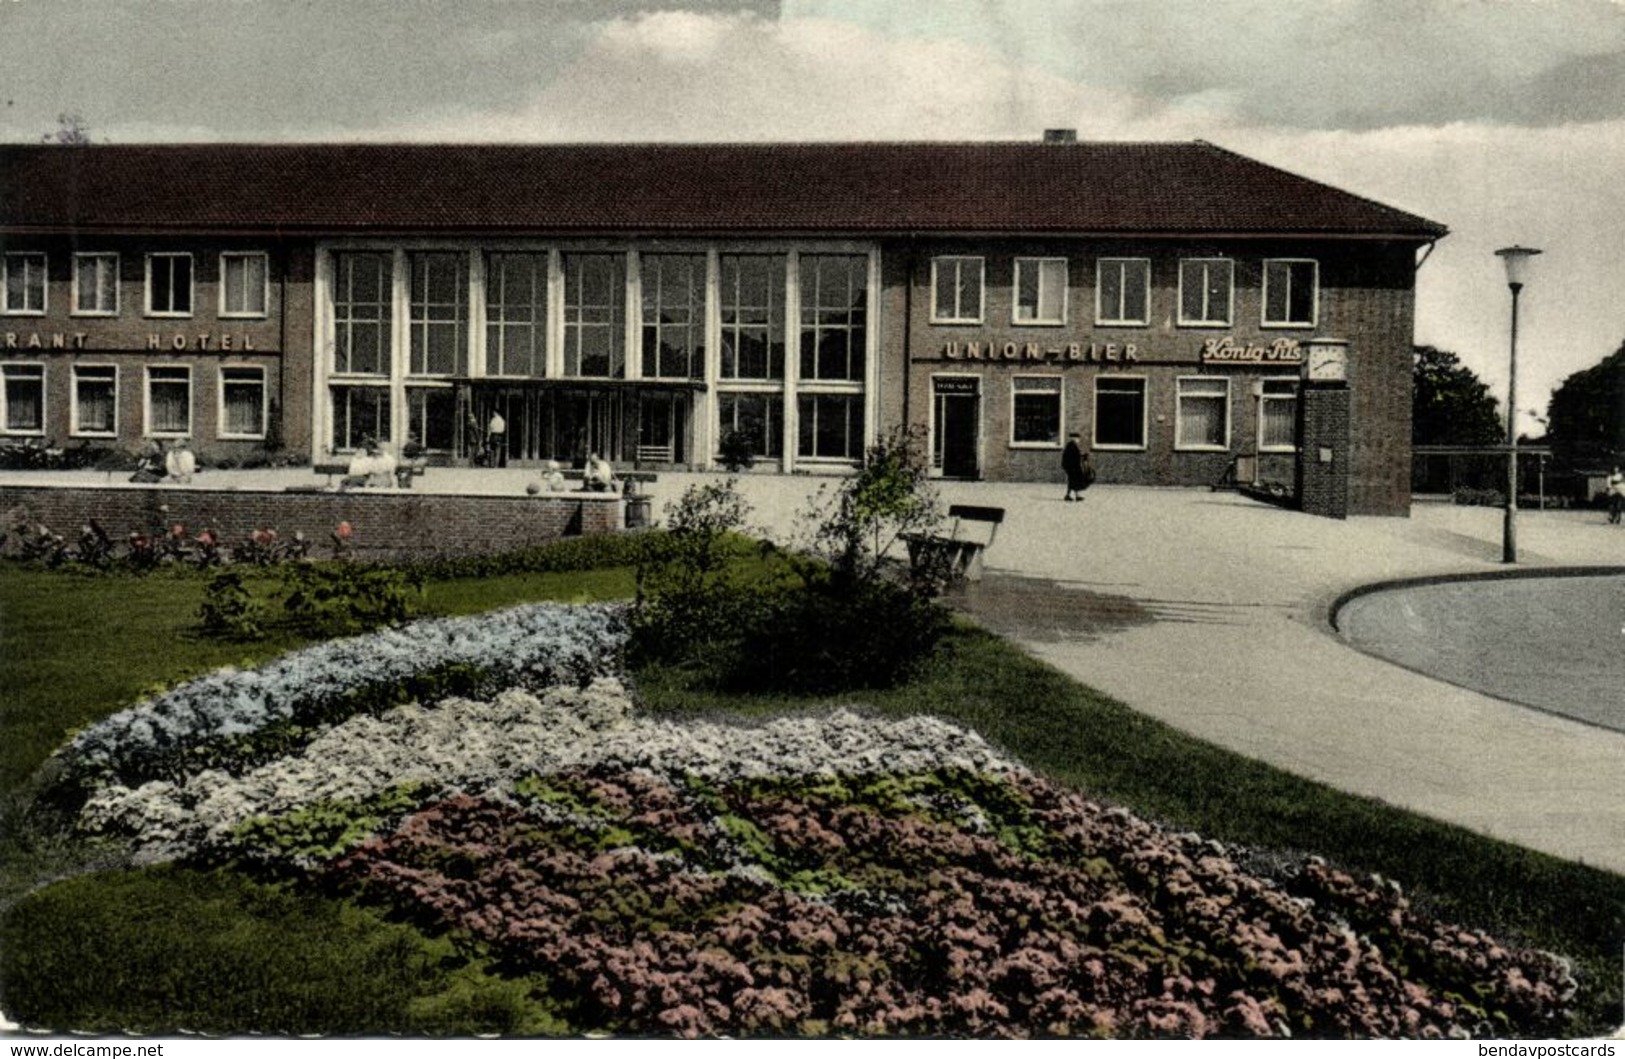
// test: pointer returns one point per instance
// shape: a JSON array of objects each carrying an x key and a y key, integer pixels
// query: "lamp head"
[{"x": 1516, "y": 260}]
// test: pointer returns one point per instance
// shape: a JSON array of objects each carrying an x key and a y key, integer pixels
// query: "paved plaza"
[{"x": 1209, "y": 611}]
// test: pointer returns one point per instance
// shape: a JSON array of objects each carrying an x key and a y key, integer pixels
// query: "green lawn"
[{"x": 74, "y": 648}]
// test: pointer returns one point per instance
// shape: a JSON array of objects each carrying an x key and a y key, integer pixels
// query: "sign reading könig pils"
[{"x": 1227, "y": 350}]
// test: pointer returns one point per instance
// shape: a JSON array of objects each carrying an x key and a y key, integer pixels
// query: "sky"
[{"x": 1503, "y": 119}]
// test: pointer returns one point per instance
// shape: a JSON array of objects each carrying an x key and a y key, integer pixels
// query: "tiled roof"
[{"x": 859, "y": 188}]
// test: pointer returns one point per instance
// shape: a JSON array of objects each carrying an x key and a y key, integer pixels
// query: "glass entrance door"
[
  {"x": 590, "y": 421},
  {"x": 662, "y": 422},
  {"x": 957, "y": 426}
]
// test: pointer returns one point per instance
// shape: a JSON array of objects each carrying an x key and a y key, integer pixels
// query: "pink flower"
[{"x": 344, "y": 531}]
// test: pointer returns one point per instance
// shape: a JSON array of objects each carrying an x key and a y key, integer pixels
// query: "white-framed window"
[
  {"x": 1291, "y": 292},
  {"x": 516, "y": 314},
  {"x": 752, "y": 305},
  {"x": 360, "y": 414},
  {"x": 957, "y": 290},
  {"x": 22, "y": 399},
  {"x": 169, "y": 284},
  {"x": 1206, "y": 291},
  {"x": 95, "y": 284},
  {"x": 834, "y": 316},
  {"x": 1278, "y": 415},
  {"x": 673, "y": 315},
  {"x": 95, "y": 400},
  {"x": 1123, "y": 290},
  {"x": 362, "y": 288},
  {"x": 595, "y": 315},
  {"x": 243, "y": 402},
  {"x": 245, "y": 285},
  {"x": 24, "y": 284},
  {"x": 1036, "y": 411},
  {"x": 1040, "y": 291},
  {"x": 829, "y": 426},
  {"x": 169, "y": 401},
  {"x": 1120, "y": 412},
  {"x": 431, "y": 416},
  {"x": 438, "y": 327},
  {"x": 759, "y": 416},
  {"x": 1202, "y": 413}
]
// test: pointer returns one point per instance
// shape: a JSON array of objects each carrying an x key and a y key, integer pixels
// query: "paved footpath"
[{"x": 1209, "y": 611}]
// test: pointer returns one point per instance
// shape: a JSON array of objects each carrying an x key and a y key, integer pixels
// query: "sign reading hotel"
[
  {"x": 202, "y": 340},
  {"x": 1228, "y": 351}
]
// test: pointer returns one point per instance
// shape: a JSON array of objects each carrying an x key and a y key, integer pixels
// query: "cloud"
[{"x": 677, "y": 76}]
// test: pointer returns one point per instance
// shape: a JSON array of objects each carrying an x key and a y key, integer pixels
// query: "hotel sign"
[
  {"x": 1228, "y": 351},
  {"x": 202, "y": 340}
]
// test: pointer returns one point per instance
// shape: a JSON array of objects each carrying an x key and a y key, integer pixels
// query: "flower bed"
[
  {"x": 942, "y": 903},
  {"x": 817, "y": 874},
  {"x": 232, "y": 719}
]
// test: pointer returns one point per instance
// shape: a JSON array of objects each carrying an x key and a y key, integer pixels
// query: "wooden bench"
[
  {"x": 405, "y": 471},
  {"x": 576, "y": 474},
  {"x": 970, "y": 531}
]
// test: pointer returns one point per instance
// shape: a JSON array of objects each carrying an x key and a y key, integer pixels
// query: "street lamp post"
[{"x": 1516, "y": 260}]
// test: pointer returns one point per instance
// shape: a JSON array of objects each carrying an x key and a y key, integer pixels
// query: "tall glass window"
[
  {"x": 432, "y": 417},
  {"x": 24, "y": 283},
  {"x": 360, "y": 414},
  {"x": 361, "y": 307},
  {"x": 1119, "y": 412},
  {"x": 1204, "y": 291},
  {"x": 1123, "y": 290},
  {"x": 95, "y": 400},
  {"x": 95, "y": 284},
  {"x": 439, "y": 314},
  {"x": 24, "y": 398},
  {"x": 956, "y": 290},
  {"x": 1040, "y": 290},
  {"x": 1278, "y": 415},
  {"x": 516, "y": 314},
  {"x": 1290, "y": 293},
  {"x": 834, "y": 316},
  {"x": 758, "y": 416},
  {"x": 1204, "y": 413},
  {"x": 753, "y": 296},
  {"x": 595, "y": 315},
  {"x": 169, "y": 284},
  {"x": 830, "y": 426},
  {"x": 169, "y": 401},
  {"x": 244, "y": 281},
  {"x": 673, "y": 315},
  {"x": 242, "y": 402},
  {"x": 1035, "y": 411}
]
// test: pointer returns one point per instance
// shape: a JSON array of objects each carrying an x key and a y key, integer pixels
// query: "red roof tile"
[{"x": 860, "y": 188}]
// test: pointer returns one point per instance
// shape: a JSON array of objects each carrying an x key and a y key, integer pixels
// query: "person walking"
[
  {"x": 1616, "y": 496},
  {"x": 1077, "y": 465},
  {"x": 496, "y": 440}
]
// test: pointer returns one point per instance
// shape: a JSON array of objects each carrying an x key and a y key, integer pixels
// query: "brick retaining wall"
[{"x": 387, "y": 525}]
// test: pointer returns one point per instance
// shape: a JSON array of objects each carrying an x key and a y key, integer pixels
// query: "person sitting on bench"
[{"x": 599, "y": 476}]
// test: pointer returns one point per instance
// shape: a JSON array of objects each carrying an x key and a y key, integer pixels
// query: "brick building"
[{"x": 649, "y": 301}]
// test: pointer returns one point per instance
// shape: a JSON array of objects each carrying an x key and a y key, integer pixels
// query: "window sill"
[
  {"x": 956, "y": 322},
  {"x": 1283, "y": 325},
  {"x": 22, "y": 433},
  {"x": 1037, "y": 323},
  {"x": 1202, "y": 448},
  {"x": 241, "y": 437},
  {"x": 1206, "y": 324},
  {"x": 244, "y": 316},
  {"x": 1037, "y": 446},
  {"x": 1122, "y": 323},
  {"x": 85, "y": 434},
  {"x": 1100, "y": 447},
  {"x": 36, "y": 313},
  {"x": 167, "y": 316}
]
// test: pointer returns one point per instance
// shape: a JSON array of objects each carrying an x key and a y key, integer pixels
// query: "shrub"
[
  {"x": 344, "y": 598},
  {"x": 1480, "y": 497},
  {"x": 230, "y": 610}
]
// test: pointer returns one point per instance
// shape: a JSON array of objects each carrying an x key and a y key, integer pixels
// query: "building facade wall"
[
  {"x": 1363, "y": 294},
  {"x": 121, "y": 328}
]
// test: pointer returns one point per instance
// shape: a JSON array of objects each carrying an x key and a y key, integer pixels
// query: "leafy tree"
[
  {"x": 70, "y": 131},
  {"x": 1450, "y": 405},
  {"x": 1587, "y": 413}
]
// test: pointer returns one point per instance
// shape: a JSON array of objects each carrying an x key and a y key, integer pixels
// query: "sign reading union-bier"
[
  {"x": 1079, "y": 351},
  {"x": 1228, "y": 351}
]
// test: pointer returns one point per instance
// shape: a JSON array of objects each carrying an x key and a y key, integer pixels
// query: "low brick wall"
[{"x": 387, "y": 525}]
